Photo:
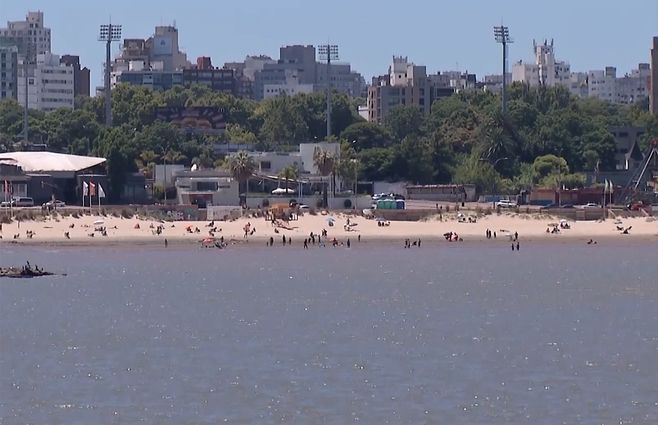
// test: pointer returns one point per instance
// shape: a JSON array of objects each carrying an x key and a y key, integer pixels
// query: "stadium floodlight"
[
  {"x": 108, "y": 34},
  {"x": 328, "y": 53},
  {"x": 501, "y": 34}
]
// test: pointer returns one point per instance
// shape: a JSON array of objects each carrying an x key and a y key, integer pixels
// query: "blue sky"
[{"x": 443, "y": 35}]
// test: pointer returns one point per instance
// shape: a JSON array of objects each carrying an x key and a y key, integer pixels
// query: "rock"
[{"x": 22, "y": 273}]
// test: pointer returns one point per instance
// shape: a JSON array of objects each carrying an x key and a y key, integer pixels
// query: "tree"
[
  {"x": 471, "y": 170},
  {"x": 325, "y": 162},
  {"x": 366, "y": 135},
  {"x": 289, "y": 173},
  {"x": 241, "y": 166},
  {"x": 403, "y": 121}
]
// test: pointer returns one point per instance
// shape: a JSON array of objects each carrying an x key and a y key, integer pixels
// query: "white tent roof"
[{"x": 32, "y": 162}]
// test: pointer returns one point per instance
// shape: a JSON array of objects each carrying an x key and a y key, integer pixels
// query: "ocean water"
[{"x": 444, "y": 334}]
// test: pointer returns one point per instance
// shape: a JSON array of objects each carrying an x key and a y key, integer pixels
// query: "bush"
[
  {"x": 347, "y": 204},
  {"x": 127, "y": 213}
]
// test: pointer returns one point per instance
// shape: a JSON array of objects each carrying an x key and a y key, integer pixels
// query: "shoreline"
[{"x": 377, "y": 240}]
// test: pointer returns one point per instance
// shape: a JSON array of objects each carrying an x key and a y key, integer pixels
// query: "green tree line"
[{"x": 465, "y": 138}]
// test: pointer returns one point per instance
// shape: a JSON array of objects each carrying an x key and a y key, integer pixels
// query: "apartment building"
[
  {"x": 51, "y": 84},
  {"x": 30, "y": 36},
  {"x": 8, "y": 72},
  {"x": 406, "y": 84},
  {"x": 545, "y": 71}
]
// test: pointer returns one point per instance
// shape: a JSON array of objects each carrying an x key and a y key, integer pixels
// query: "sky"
[{"x": 443, "y": 35}]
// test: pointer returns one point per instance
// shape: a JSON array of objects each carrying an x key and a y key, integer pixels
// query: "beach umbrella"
[
  {"x": 330, "y": 219},
  {"x": 281, "y": 191}
]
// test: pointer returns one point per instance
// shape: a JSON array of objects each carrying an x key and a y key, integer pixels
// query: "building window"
[{"x": 265, "y": 165}]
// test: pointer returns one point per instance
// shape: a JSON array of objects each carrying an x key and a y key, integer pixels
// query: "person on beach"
[
  {"x": 348, "y": 243},
  {"x": 358, "y": 238},
  {"x": 271, "y": 241},
  {"x": 517, "y": 245},
  {"x": 305, "y": 243},
  {"x": 512, "y": 246},
  {"x": 283, "y": 240},
  {"x": 166, "y": 243}
]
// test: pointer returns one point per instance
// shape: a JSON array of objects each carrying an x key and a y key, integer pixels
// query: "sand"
[{"x": 530, "y": 227}]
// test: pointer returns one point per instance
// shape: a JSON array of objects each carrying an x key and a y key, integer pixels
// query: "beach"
[{"x": 111, "y": 230}]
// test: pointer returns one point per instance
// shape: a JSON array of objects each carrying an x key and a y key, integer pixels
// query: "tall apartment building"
[
  {"x": 51, "y": 84},
  {"x": 546, "y": 70},
  {"x": 29, "y": 36},
  {"x": 405, "y": 84},
  {"x": 296, "y": 71},
  {"x": 159, "y": 52},
  {"x": 605, "y": 85},
  {"x": 8, "y": 72},
  {"x": 653, "y": 92}
]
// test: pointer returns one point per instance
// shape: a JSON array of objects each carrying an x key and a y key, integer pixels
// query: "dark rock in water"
[{"x": 23, "y": 272}]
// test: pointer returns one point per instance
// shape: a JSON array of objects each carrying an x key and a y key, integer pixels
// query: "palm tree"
[
  {"x": 241, "y": 167},
  {"x": 289, "y": 173},
  {"x": 325, "y": 162}
]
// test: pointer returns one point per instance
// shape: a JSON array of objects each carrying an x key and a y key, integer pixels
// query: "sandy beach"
[{"x": 530, "y": 227}]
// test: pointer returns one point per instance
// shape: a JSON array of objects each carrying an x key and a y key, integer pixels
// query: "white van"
[{"x": 24, "y": 202}]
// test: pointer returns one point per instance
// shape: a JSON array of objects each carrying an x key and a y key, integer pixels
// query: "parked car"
[
  {"x": 591, "y": 205},
  {"x": 549, "y": 206},
  {"x": 8, "y": 203},
  {"x": 24, "y": 201},
  {"x": 506, "y": 203},
  {"x": 54, "y": 204},
  {"x": 567, "y": 206}
]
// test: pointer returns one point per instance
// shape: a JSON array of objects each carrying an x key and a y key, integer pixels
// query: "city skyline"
[{"x": 367, "y": 37}]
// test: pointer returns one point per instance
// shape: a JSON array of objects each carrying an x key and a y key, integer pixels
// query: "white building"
[
  {"x": 289, "y": 86},
  {"x": 50, "y": 84},
  {"x": 605, "y": 85},
  {"x": 545, "y": 70},
  {"x": 578, "y": 84},
  {"x": 601, "y": 84},
  {"x": 29, "y": 34}
]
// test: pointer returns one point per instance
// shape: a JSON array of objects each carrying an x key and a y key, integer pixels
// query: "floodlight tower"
[
  {"x": 501, "y": 34},
  {"x": 328, "y": 52},
  {"x": 108, "y": 34}
]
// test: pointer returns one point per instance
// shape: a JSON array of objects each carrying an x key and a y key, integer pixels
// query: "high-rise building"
[
  {"x": 80, "y": 75},
  {"x": 8, "y": 72},
  {"x": 605, "y": 85},
  {"x": 653, "y": 93},
  {"x": 545, "y": 70},
  {"x": 29, "y": 36},
  {"x": 405, "y": 84},
  {"x": 296, "y": 71},
  {"x": 158, "y": 52},
  {"x": 50, "y": 84}
]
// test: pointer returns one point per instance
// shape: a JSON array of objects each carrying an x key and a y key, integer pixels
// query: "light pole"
[
  {"x": 501, "y": 34},
  {"x": 328, "y": 52},
  {"x": 108, "y": 34}
]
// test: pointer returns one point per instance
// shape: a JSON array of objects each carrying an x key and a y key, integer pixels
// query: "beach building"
[
  {"x": 43, "y": 175},
  {"x": 206, "y": 188}
]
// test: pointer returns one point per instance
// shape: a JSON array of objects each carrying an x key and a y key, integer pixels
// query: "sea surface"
[{"x": 444, "y": 334}]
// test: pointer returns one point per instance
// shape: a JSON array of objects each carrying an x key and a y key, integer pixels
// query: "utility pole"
[
  {"x": 501, "y": 35},
  {"x": 328, "y": 52},
  {"x": 108, "y": 34}
]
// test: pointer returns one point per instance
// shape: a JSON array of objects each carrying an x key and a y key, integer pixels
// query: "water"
[{"x": 460, "y": 334}]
